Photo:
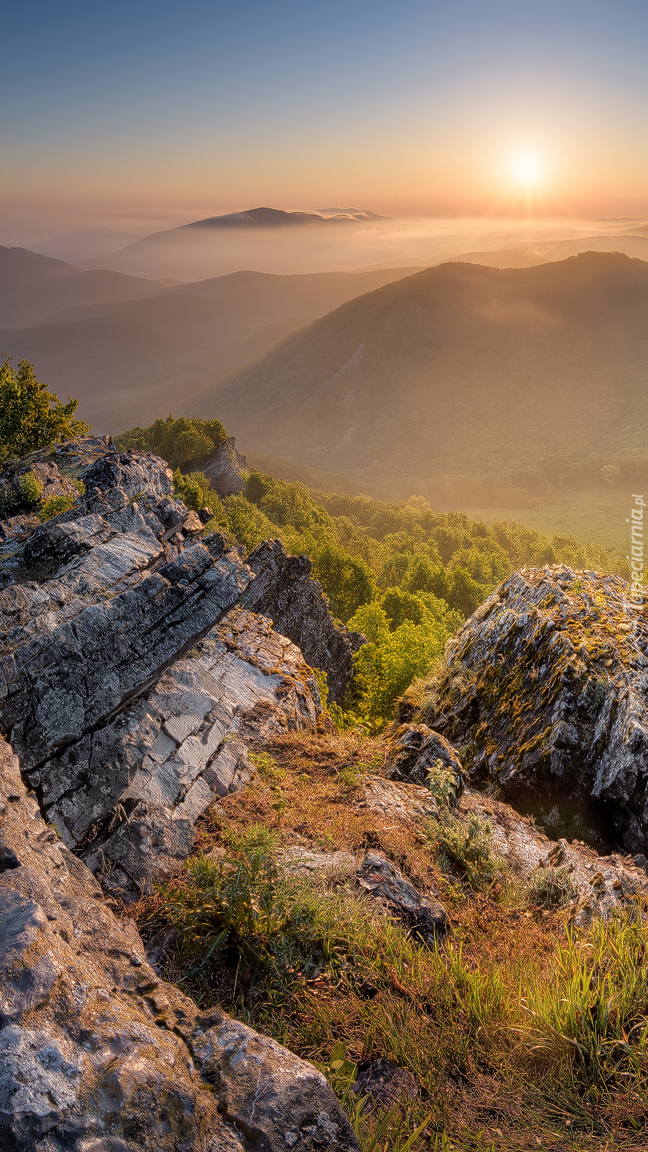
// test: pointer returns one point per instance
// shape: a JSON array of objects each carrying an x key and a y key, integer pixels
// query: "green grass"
[
  {"x": 554, "y": 1036},
  {"x": 598, "y": 520}
]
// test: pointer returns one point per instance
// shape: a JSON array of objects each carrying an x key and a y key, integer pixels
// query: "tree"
[{"x": 31, "y": 417}]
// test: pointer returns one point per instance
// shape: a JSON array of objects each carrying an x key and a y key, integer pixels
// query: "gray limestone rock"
[
  {"x": 415, "y": 750},
  {"x": 275, "y": 1099},
  {"x": 425, "y": 917},
  {"x": 70, "y": 677},
  {"x": 546, "y": 688},
  {"x": 285, "y": 590},
  {"x": 226, "y": 469},
  {"x": 103, "y": 1056},
  {"x": 133, "y": 472}
]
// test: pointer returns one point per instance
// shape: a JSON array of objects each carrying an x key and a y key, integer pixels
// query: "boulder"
[
  {"x": 97, "y": 1054},
  {"x": 546, "y": 689},
  {"x": 275, "y": 1099},
  {"x": 426, "y": 919},
  {"x": 226, "y": 469},
  {"x": 285, "y": 590},
  {"x": 415, "y": 751}
]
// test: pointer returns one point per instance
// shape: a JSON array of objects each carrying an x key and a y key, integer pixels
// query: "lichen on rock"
[{"x": 545, "y": 689}]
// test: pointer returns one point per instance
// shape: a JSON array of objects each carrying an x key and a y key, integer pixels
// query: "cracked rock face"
[
  {"x": 285, "y": 590},
  {"x": 416, "y": 751},
  {"x": 130, "y": 708},
  {"x": 97, "y": 1054},
  {"x": 546, "y": 689},
  {"x": 131, "y": 792}
]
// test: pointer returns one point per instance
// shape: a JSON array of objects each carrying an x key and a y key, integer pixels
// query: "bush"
[
  {"x": 54, "y": 506},
  {"x": 241, "y": 906},
  {"x": 196, "y": 492},
  {"x": 466, "y": 849},
  {"x": 552, "y": 888},
  {"x": 31, "y": 489},
  {"x": 8, "y": 500},
  {"x": 31, "y": 417}
]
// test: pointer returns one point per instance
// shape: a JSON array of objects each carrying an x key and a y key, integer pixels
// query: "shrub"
[
  {"x": 31, "y": 489},
  {"x": 466, "y": 849},
  {"x": 241, "y": 905},
  {"x": 54, "y": 506},
  {"x": 8, "y": 500},
  {"x": 31, "y": 417},
  {"x": 196, "y": 492},
  {"x": 552, "y": 888}
]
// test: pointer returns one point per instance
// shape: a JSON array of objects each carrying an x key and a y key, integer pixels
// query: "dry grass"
[{"x": 481, "y": 1023}]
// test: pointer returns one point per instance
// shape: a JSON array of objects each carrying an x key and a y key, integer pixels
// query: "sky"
[{"x": 140, "y": 115}]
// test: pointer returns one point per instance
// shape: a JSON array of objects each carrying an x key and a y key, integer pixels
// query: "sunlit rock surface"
[
  {"x": 97, "y": 1053},
  {"x": 546, "y": 692}
]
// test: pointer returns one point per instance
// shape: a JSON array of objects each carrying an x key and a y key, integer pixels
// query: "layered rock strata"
[
  {"x": 129, "y": 706},
  {"x": 97, "y": 1054},
  {"x": 285, "y": 590}
]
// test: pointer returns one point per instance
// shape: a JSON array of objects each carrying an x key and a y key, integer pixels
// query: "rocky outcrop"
[
  {"x": 596, "y": 885},
  {"x": 226, "y": 469},
  {"x": 129, "y": 707},
  {"x": 425, "y": 918},
  {"x": 546, "y": 689},
  {"x": 97, "y": 1054},
  {"x": 285, "y": 590},
  {"x": 416, "y": 751}
]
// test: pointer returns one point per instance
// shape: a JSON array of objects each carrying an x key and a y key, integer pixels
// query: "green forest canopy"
[{"x": 402, "y": 574}]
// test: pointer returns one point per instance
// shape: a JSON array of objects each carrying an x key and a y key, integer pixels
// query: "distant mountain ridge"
[
  {"x": 131, "y": 360},
  {"x": 462, "y": 382},
  {"x": 35, "y": 287},
  {"x": 277, "y": 218}
]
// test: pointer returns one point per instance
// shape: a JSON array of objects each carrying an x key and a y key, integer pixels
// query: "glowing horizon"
[{"x": 148, "y": 117}]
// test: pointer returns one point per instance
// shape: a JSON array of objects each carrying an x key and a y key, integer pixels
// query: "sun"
[{"x": 527, "y": 168}]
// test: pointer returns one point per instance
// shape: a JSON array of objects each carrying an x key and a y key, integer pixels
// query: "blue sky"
[{"x": 147, "y": 112}]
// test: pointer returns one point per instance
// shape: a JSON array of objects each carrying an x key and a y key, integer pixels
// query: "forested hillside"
[
  {"x": 474, "y": 386},
  {"x": 402, "y": 574}
]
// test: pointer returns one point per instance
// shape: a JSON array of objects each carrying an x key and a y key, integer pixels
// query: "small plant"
[
  {"x": 31, "y": 489},
  {"x": 552, "y": 888},
  {"x": 442, "y": 783},
  {"x": 54, "y": 506},
  {"x": 267, "y": 767},
  {"x": 466, "y": 849},
  {"x": 242, "y": 908},
  {"x": 7, "y": 500},
  {"x": 373, "y": 1133},
  {"x": 321, "y": 680}
]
